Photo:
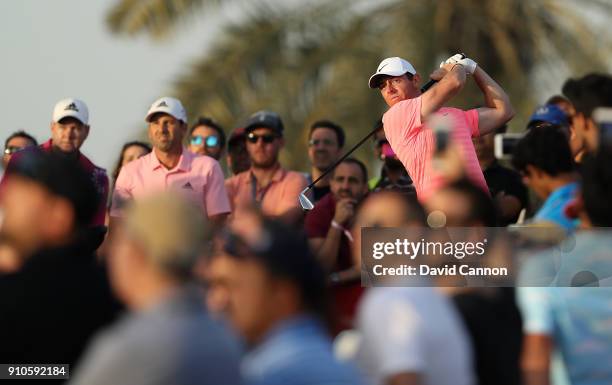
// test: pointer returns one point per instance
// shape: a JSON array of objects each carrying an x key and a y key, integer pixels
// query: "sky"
[{"x": 62, "y": 48}]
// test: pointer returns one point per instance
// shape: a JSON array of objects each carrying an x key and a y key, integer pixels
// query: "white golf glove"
[{"x": 467, "y": 63}]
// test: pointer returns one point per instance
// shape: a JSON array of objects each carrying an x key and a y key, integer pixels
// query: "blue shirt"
[
  {"x": 296, "y": 352},
  {"x": 577, "y": 318},
  {"x": 553, "y": 209}
]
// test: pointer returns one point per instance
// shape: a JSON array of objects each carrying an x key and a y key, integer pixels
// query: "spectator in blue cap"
[{"x": 548, "y": 113}]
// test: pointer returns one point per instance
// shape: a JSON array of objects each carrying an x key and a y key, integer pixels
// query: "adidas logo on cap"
[
  {"x": 71, "y": 107},
  {"x": 162, "y": 104}
]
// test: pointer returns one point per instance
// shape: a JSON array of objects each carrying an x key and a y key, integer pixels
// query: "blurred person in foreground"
[
  {"x": 237, "y": 156},
  {"x": 69, "y": 130},
  {"x": 168, "y": 336},
  {"x": 129, "y": 152},
  {"x": 273, "y": 291},
  {"x": 393, "y": 175},
  {"x": 206, "y": 137},
  {"x": 574, "y": 320},
  {"x": 409, "y": 335},
  {"x": 266, "y": 184},
  {"x": 17, "y": 141},
  {"x": 328, "y": 227},
  {"x": 490, "y": 314},
  {"x": 586, "y": 94},
  {"x": 505, "y": 185},
  {"x": 53, "y": 294},
  {"x": 544, "y": 158},
  {"x": 170, "y": 166},
  {"x": 405, "y": 123},
  {"x": 325, "y": 144}
]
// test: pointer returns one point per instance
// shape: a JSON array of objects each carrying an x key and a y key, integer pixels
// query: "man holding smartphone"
[
  {"x": 405, "y": 122},
  {"x": 587, "y": 94}
]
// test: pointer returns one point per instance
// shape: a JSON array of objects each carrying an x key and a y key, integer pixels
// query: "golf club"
[{"x": 304, "y": 201}]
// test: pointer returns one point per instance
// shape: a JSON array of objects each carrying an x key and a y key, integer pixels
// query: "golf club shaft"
[
  {"x": 341, "y": 159},
  {"x": 428, "y": 85}
]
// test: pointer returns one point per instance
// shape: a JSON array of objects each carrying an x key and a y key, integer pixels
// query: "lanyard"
[{"x": 254, "y": 191}]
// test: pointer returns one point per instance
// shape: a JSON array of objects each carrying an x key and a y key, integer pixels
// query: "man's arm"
[
  {"x": 498, "y": 109},
  {"x": 535, "y": 361},
  {"x": 326, "y": 249},
  {"x": 451, "y": 80}
]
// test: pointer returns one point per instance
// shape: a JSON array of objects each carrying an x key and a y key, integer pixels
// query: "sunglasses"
[
  {"x": 10, "y": 150},
  {"x": 268, "y": 138},
  {"x": 208, "y": 141},
  {"x": 316, "y": 142}
]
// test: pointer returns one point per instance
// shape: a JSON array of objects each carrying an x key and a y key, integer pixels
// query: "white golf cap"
[
  {"x": 168, "y": 105},
  {"x": 391, "y": 66},
  {"x": 73, "y": 108}
]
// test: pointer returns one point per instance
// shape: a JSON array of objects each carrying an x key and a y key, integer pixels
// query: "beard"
[
  {"x": 164, "y": 144},
  {"x": 264, "y": 163}
]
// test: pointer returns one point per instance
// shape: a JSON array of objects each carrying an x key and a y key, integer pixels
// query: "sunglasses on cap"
[
  {"x": 316, "y": 142},
  {"x": 208, "y": 141},
  {"x": 10, "y": 150},
  {"x": 268, "y": 138}
]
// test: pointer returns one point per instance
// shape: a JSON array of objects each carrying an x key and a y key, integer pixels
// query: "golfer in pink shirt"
[
  {"x": 405, "y": 123},
  {"x": 171, "y": 167}
]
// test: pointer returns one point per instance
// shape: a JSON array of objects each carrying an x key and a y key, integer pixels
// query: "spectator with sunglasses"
[
  {"x": 206, "y": 137},
  {"x": 17, "y": 141},
  {"x": 325, "y": 143},
  {"x": 266, "y": 184},
  {"x": 171, "y": 167}
]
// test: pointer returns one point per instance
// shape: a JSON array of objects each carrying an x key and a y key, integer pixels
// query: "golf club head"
[{"x": 304, "y": 201}]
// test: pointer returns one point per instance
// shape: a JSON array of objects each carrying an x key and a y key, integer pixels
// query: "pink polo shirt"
[
  {"x": 279, "y": 197},
  {"x": 197, "y": 177},
  {"x": 414, "y": 143}
]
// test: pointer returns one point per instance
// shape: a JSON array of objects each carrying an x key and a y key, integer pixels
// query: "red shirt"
[{"x": 317, "y": 224}]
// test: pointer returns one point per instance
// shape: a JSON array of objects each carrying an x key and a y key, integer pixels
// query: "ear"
[
  {"x": 281, "y": 142},
  {"x": 86, "y": 131},
  {"x": 287, "y": 296},
  {"x": 416, "y": 79},
  {"x": 149, "y": 133},
  {"x": 536, "y": 172}
]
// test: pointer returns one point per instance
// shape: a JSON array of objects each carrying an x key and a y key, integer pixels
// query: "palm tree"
[{"x": 312, "y": 61}]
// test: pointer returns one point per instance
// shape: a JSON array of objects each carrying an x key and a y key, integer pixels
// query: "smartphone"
[
  {"x": 603, "y": 118},
  {"x": 504, "y": 144}
]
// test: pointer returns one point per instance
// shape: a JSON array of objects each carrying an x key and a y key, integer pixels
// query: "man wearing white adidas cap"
[
  {"x": 69, "y": 129},
  {"x": 405, "y": 123},
  {"x": 171, "y": 167}
]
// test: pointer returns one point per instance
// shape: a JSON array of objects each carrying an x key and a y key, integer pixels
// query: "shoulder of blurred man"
[
  {"x": 173, "y": 339},
  {"x": 297, "y": 351},
  {"x": 553, "y": 208}
]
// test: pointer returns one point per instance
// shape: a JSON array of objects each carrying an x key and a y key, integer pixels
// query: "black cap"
[
  {"x": 62, "y": 176},
  {"x": 265, "y": 119}
]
